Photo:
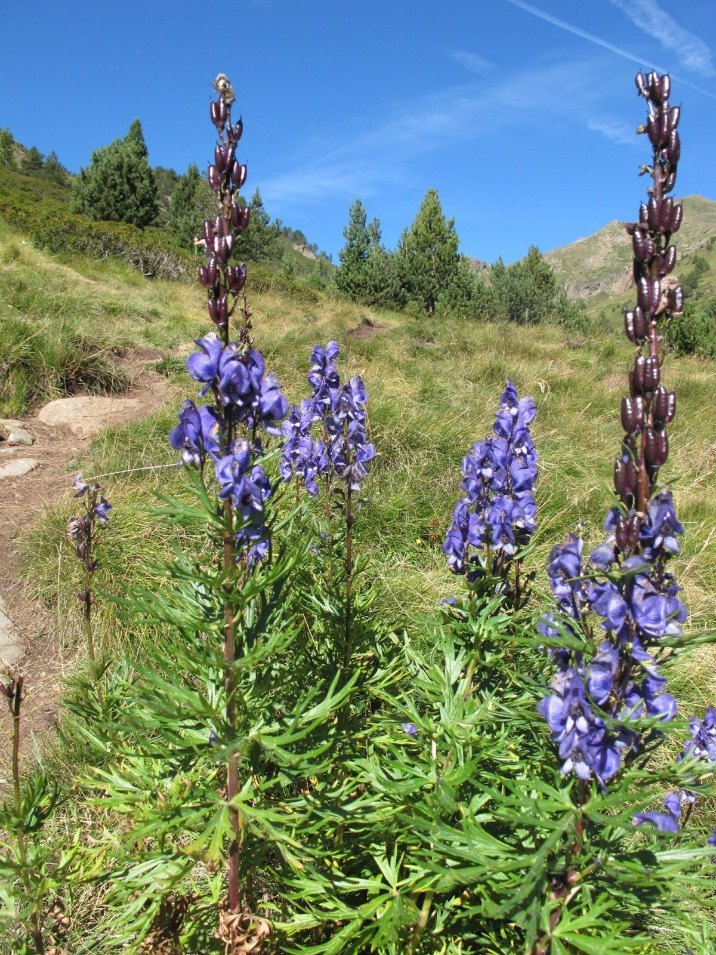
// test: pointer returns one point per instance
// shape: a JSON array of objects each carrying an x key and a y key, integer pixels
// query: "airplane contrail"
[{"x": 598, "y": 41}]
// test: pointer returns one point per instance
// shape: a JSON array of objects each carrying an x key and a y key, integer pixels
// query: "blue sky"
[{"x": 522, "y": 115}]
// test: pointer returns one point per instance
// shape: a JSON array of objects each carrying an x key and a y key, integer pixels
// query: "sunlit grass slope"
[{"x": 433, "y": 386}]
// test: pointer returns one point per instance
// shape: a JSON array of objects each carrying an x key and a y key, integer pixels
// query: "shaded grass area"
[
  {"x": 64, "y": 327},
  {"x": 434, "y": 388}
]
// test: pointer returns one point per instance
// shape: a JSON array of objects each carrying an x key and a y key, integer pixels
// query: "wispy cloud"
[
  {"x": 691, "y": 50},
  {"x": 409, "y": 132},
  {"x": 577, "y": 31},
  {"x": 618, "y": 132},
  {"x": 605, "y": 44},
  {"x": 471, "y": 61}
]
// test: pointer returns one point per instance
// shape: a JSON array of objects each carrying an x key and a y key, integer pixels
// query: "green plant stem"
[
  {"x": 229, "y": 652},
  {"x": 15, "y": 706},
  {"x": 87, "y": 622},
  {"x": 421, "y": 924}
]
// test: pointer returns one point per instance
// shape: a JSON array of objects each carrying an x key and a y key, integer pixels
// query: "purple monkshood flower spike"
[
  {"x": 499, "y": 475},
  {"x": 344, "y": 449}
]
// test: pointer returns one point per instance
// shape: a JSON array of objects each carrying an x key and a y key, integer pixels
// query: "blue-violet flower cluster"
[
  {"x": 497, "y": 514},
  {"x": 343, "y": 448},
  {"x": 635, "y": 601}
]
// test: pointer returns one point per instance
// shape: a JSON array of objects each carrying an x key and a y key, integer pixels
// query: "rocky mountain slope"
[{"x": 602, "y": 262}]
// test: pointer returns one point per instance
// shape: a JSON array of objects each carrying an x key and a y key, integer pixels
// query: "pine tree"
[
  {"x": 351, "y": 275},
  {"x": 260, "y": 241},
  {"x": 429, "y": 253},
  {"x": 119, "y": 184},
  {"x": 32, "y": 162},
  {"x": 186, "y": 210},
  {"x": 7, "y": 152},
  {"x": 527, "y": 291},
  {"x": 54, "y": 170}
]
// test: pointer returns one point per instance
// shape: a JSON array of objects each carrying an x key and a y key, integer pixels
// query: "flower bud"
[
  {"x": 672, "y": 152},
  {"x": 238, "y": 174},
  {"x": 233, "y": 132},
  {"x": 214, "y": 178},
  {"x": 645, "y": 375},
  {"x": 653, "y": 214},
  {"x": 652, "y": 128},
  {"x": 222, "y": 157},
  {"x": 669, "y": 182},
  {"x": 640, "y": 84},
  {"x": 644, "y": 215},
  {"x": 636, "y": 325},
  {"x": 236, "y": 278},
  {"x": 674, "y": 117},
  {"x": 648, "y": 293},
  {"x": 656, "y": 447},
  {"x": 677, "y": 216},
  {"x": 664, "y": 87},
  {"x": 627, "y": 533},
  {"x": 676, "y": 300},
  {"x": 217, "y": 111},
  {"x": 625, "y": 479},
  {"x": 664, "y": 123},
  {"x": 632, "y": 414},
  {"x": 240, "y": 216},
  {"x": 667, "y": 261},
  {"x": 208, "y": 230},
  {"x": 663, "y": 406},
  {"x": 665, "y": 214},
  {"x": 642, "y": 245}
]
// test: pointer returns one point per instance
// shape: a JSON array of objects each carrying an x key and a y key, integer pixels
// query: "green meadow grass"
[{"x": 433, "y": 390}]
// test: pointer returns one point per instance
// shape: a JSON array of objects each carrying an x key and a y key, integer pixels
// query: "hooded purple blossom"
[
  {"x": 197, "y": 434},
  {"x": 344, "y": 449},
  {"x": 585, "y": 746},
  {"x": 499, "y": 475}
]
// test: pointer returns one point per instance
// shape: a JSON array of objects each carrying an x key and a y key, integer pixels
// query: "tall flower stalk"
[
  {"x": 619, "y": 617},
  {"x": 495, "y": 519},
  {"x": 245, "y": 401},
  {"x": 340, "y": 457},
  {"x": 82, "y": 531}
]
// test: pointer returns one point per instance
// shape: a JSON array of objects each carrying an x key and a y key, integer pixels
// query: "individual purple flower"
[
  {"x": 204, "y": 365},
  {"x": 410, "y": 728},
  {"x": 665, "y": 822},
  {"x": 703, "y": 737},
  {"x": 585, "y": 745},
  {"x": 197, "y": 433}
]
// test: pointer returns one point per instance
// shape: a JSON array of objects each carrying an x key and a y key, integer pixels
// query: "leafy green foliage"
[
  {"x": 259, "y": 243},
  {"x": 191, "y": 203},
  {"x": 118, "y": 185},
  {"x": 429, "y": 255},
  {"x": 7, "y": 157}
]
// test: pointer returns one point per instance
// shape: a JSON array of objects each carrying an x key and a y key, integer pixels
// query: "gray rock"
[
  {"x": 20, "y": 436},
  {"x": 86, "y": 416},
  {"x": 17, "y": 468},
  {"x": 10, "y": 647}
]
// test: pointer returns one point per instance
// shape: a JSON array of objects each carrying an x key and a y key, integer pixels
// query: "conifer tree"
[
  {"x": 32, "y": 161},
  {"x": 54, "y": 170},
  {"x": 351, "y": 275},
  {"x": 429, "y": 253},
  {"x": 185, "y": 214},
  {"x": 7, "y": 142},
  {"x": 119, "y": 184},
  {"x": 259, "y": 243}
]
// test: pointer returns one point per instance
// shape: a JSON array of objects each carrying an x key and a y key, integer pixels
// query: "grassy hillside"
[{"x": 433, "y": 386}]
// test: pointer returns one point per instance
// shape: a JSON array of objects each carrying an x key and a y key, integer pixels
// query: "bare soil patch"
[{"x": 22, "y": 500}]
